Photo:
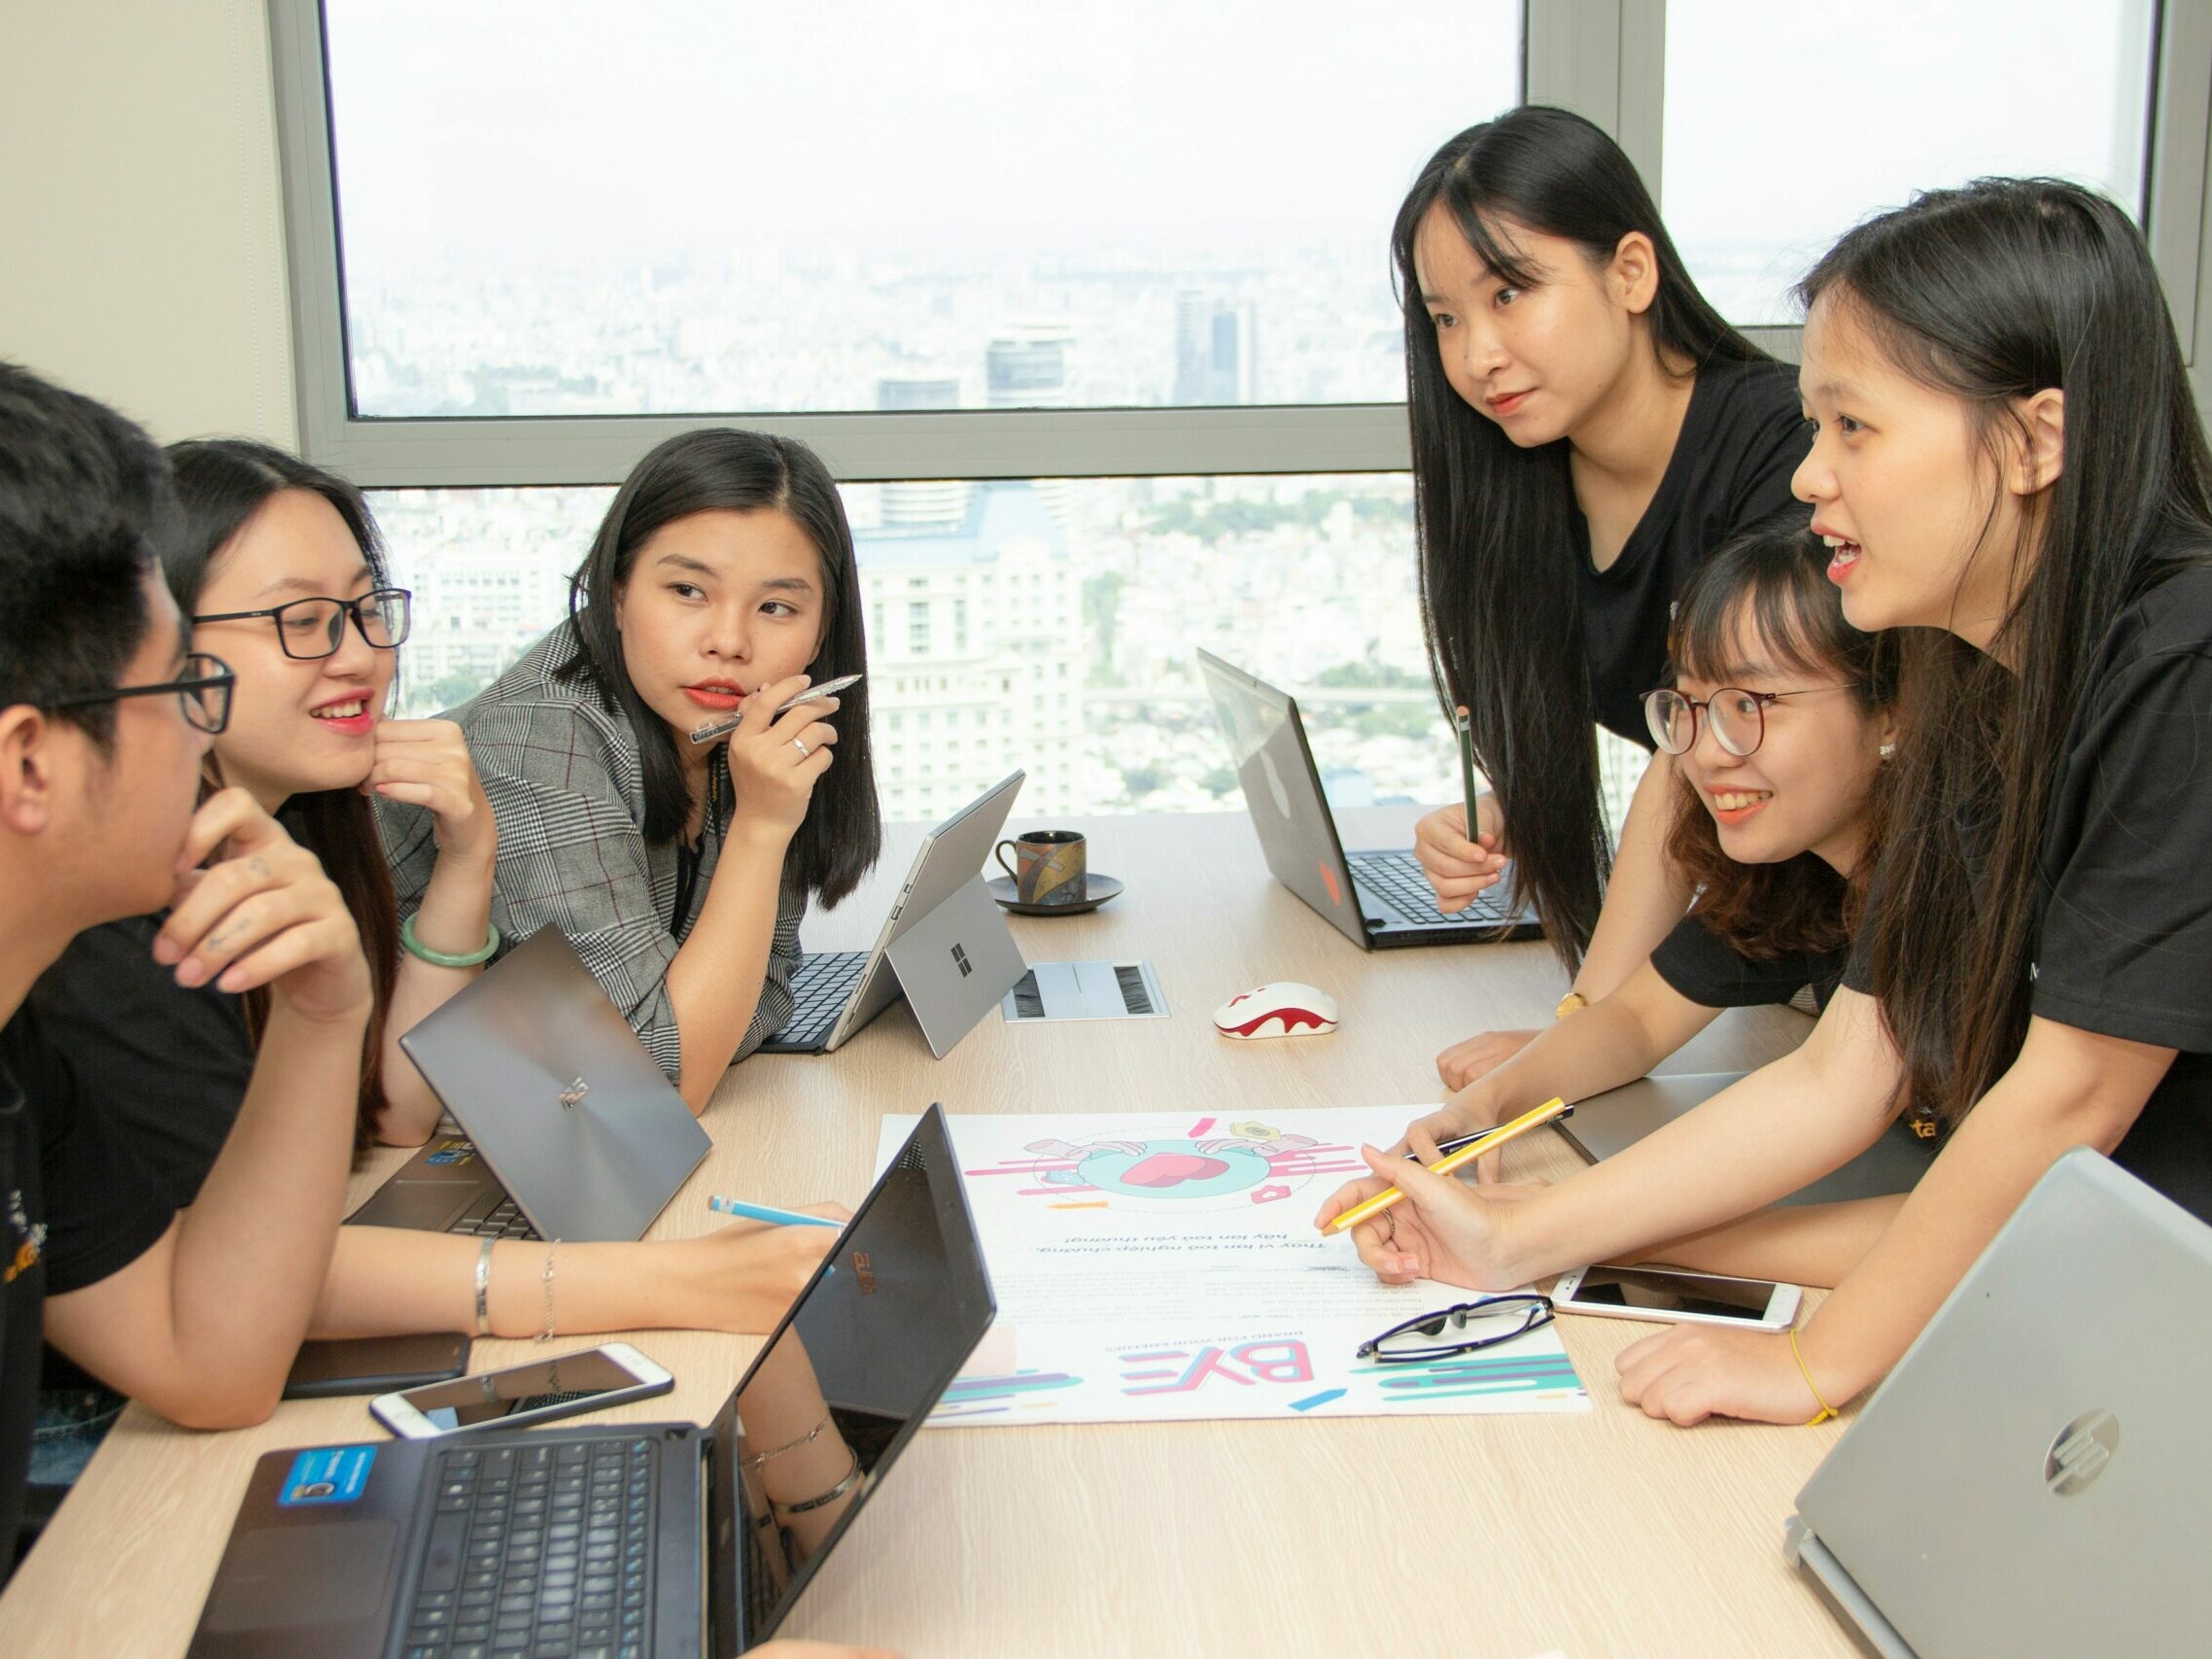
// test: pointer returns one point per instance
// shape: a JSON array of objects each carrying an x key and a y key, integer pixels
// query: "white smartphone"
[
  {"x": 536, "y": 1393},
  {"x": 1673, "y": 1293}
]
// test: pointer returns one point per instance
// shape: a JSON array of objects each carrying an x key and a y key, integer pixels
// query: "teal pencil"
[{"x": 768, "y": 1213}]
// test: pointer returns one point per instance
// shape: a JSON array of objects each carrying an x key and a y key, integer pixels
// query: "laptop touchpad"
[{"x": 325, "y": 1574}]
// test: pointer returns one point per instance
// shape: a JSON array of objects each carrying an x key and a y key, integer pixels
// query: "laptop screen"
[
  {"x": 859, "y": 1362},
  {"x": 1283, "y": 793}
]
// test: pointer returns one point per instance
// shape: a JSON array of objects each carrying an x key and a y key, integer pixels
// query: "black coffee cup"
[{"x": 1049, "y": 867}]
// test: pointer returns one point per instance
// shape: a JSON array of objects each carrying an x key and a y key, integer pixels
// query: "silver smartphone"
[
  {"x": 1671, "y": 1293},
  {"x": 536, "y": 1393}
]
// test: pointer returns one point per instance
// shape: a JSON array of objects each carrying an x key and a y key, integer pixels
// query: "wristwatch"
[{"x": 1574, "y": 1002}]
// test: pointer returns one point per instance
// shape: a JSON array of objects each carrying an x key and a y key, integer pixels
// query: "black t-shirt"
[
  {"x": 1712, "y": 973},
  {"x": 75, "y": 1207},
  {"x": 1743, "y": 437},
  {"x": 2123, "y": 941},
  {"x": 169, "y": 1066}
]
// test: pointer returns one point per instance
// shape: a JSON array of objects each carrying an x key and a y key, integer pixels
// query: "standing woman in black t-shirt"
[
  {"x": 1585, "y": 430},
  {"x": 2010, "y": 466}
]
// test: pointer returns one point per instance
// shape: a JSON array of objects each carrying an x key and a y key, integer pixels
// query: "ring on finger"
[
  {"x": 1390, "y": 1226},
  {"x": 800, "y": 743}
]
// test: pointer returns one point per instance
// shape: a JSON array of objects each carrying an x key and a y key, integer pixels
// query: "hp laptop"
[
  {"x": 1378, "y": 900},
  {"x": 634, "y": 1538},
  {"x": 571, "y": 1129},
  {"x": 1604, "y": 1123},
  {"x": 2031, "y": 1477},
  {"x": 836, "y": 993}
]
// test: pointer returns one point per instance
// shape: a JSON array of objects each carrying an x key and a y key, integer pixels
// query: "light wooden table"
[{"x": 1511, "y": 1535}]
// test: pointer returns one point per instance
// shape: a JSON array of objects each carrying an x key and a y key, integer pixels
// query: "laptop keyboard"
[
  {"x": 1398, "y": 878},
  {"x": 819, "y": 991},
  {"x": 544, "y": 1551},
  {"x": 502, "y": 1219}
]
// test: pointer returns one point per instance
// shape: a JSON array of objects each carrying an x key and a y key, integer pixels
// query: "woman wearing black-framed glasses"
[{"x": 314, "y": 627}]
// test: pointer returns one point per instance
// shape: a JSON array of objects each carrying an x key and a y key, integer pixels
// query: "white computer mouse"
[{"x": 1283, "y": 1008}]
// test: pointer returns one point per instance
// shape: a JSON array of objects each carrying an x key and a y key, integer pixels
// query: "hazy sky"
[
  {"x": 554, "y": 130},
  {"x": 1792, "y": 120},
  {"x": 502, "y": 125}
]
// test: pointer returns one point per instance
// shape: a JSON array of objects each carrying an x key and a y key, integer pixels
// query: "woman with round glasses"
[{"x": 1781, "y": 714}]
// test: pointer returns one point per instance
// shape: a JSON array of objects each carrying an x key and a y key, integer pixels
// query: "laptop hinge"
[
  {"x": 706, "y": 1557},
  {"x": 1800, "y": 1547}
]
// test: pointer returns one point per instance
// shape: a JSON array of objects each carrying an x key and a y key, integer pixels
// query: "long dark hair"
[
  {"x": 221, "y": 483},
  {"x": 1993, "y": 293},
  {"x": 1770, "y": 583},
  {"x": 721, "y": 468},
  {"x": 1498, "y": 600}
]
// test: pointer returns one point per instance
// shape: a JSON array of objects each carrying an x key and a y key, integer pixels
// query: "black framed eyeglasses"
[
  {"x": 313, "y": 628},
  {"x": 1738, "y": 717},
  {"x": 204, "y": 690},
  {"x": 1482, "y": 1324}
]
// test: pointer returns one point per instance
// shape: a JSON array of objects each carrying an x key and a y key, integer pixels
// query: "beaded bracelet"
[
  {"x": 443, "y": 960},
  {"x": 1826, "y": 1410},
  {"x": 759, "y": 1458},
  {"x": 548, "y": 1333}
]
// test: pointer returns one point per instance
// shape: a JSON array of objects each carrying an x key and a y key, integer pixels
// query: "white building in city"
[{"x": 975, "y": 655}]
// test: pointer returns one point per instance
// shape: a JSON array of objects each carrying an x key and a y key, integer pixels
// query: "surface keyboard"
[
  {"x": 819, "y": 991},
  {"x": 1399, "y": 878},
  {"x": 539, "y": 1550}
]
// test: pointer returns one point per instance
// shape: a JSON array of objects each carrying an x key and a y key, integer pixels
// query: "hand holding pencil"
[{"x": 1412, "y": 1221}]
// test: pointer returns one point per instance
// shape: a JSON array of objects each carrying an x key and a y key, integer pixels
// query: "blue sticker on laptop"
[
  {"x": 328, "y": 1474},
  {"x": 455, "y": 1153}
]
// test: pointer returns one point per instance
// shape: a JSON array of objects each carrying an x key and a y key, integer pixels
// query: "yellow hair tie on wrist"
[{"x": 1826, "y": 1410}]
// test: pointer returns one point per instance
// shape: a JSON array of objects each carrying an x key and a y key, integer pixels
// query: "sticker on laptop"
[
  {"x": 328, "y": 1474},
  {"x": 453, "y": 1153}
]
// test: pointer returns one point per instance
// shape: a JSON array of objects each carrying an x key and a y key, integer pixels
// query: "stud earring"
[{"x": 1889, "y": 750}]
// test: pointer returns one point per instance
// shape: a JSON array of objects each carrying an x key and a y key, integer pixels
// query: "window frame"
[{"x": 1605, "y": 58}]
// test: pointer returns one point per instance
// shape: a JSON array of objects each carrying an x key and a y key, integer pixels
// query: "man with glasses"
[{"x": 105, "y": 714}]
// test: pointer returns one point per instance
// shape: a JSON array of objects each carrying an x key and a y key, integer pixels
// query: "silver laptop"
[
  {"x": 1606, "y": 1123},
  {"x": 1378, "y": 900},
  {"x": 2031, "y": 1478},
  {"x": 572, "y": 1132},
  {"x": 836, "y": 993}
]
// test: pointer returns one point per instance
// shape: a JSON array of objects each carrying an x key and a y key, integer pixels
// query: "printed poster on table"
[{"x": 1158, "y": 1266}]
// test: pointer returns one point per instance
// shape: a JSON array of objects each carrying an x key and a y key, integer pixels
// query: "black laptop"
[
  {"x": 1378, "y": 900},
  {"x": 654, "y": 1538}
]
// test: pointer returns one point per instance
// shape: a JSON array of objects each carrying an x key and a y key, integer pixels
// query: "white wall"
[{"x": 142, "y": 260}]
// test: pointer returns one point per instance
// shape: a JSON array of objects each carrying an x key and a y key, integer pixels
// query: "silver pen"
[{"x": 723, "y": 725}]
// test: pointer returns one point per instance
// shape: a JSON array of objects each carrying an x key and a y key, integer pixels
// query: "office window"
[
  {"x": 1308, "y": 581},
  {"x": 680, "y": 206},
  {"x": 1786, "y": 124}
]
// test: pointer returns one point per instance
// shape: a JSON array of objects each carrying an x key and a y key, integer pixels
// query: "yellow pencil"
[{"x": 1550, "y": 1112}]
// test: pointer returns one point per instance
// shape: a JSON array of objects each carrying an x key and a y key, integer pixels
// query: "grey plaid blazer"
[{"x": 560, "y": 766}]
